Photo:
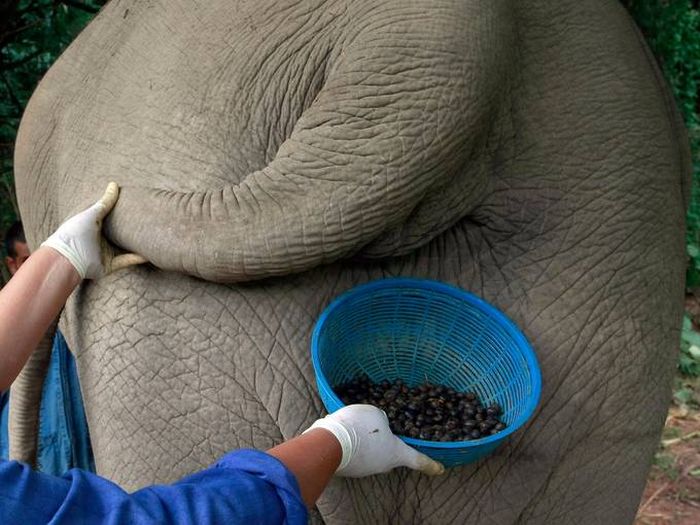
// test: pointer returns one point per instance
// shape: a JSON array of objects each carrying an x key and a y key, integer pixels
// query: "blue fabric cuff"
[{"x": 274, "y": 472}]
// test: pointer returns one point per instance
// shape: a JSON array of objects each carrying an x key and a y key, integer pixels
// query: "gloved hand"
[
  {"x": 80, "y": 241},
  {"x": 368, "y": 445}
]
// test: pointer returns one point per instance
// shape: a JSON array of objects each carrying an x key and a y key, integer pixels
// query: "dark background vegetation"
[{"x": 33, "y": 33}]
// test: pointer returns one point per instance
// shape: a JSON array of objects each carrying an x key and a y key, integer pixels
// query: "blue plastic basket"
[{"x": 419, "y": 330}]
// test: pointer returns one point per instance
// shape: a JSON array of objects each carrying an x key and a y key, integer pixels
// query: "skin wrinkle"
[
  {"x": 549, "y": 219},
  {"x": 576, "y": 281},
  {"x": 268, "y": 365},
  {"x": 38, "y": 164},
  {"x": 594, "y": 330},
  {"x": 606, "y": 394},
  {"x": 281, "y": 327},
  {"x": 673, "y": 113},
  {"x": 272, "y": 146},
  {"x": 231, "y": 378},
  {"x": 261, "y": 352},
  {"x": 561, "y": 405},
  {"x": 610, "y": 443},
  {"x": 545, "y": 330}
]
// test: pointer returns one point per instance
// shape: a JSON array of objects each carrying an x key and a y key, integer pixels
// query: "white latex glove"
[
  {"x": 368, "y": 445},
  {"x": 80, "y": 241}
]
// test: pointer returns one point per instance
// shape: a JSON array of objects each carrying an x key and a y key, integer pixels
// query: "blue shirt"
[
  {"x": 245, "y": 486},
  {"x": 4, "y": 418},
  {"x": 64, "y": 440}
]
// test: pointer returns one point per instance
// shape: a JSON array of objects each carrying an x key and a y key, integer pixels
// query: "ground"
[{"x": 672, "y": 494}]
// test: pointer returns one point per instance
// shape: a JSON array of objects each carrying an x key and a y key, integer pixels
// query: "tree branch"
[{"x": 11, "y": 32}]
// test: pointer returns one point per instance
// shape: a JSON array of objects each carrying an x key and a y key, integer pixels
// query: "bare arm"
[
  {"x": 355, "y": 441},
  {"x": 37, "y": 292},
  {"x": 28, "y": 304},
  {"x": 312, "y": 458}
]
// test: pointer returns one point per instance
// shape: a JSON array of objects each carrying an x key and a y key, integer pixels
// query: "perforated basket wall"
[{"x": 420, "y": 330}]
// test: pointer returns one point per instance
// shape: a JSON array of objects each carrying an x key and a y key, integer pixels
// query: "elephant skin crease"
[{"x": 274, "y": 154}]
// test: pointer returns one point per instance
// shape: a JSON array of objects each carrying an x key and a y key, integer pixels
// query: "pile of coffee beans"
[{"x": 427, "y": 411}]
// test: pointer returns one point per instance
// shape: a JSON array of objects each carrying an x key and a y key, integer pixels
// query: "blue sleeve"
[{"x": 245, "y": 486}]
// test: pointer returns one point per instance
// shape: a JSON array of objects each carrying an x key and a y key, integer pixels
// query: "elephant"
[{"x": 274, "y": 154}]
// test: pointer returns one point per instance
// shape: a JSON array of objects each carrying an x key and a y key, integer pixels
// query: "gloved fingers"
[
  {"x": 112, "y": 258},
  {"x": 107, "y": 202},
  {"x": 122, "y": 261},
  {"x": 410, "y": 457}
]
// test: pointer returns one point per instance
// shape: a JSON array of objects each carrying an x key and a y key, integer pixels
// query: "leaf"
[
  {"x": 687, "y": 322},
  {"x": 694, "y": 352},
  {"x": 691, "y": 337},
  {"x": 688, "y": 367},
  {"x": 683, "y": 396},
  {"x": 688, "y": 334},
  {"x": 692, "y": 276}
]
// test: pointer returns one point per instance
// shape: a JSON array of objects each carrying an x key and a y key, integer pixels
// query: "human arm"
[
  {"x": 313, "y": 458},
  {"x": 244, "y": 486},
  {"x": 355, "y": 441},
  {"x": 37, "y": 292},
  {"x": 28, "y": 304}
]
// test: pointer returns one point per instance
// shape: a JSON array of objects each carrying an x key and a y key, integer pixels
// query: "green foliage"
[
  {"x": 666, "y": 463},
  {"x": 686, "y": 393},
  {"x": 692, "y": 244},
  {"x": 33, "y": 33},
  {"x": 689, "y": 361}
]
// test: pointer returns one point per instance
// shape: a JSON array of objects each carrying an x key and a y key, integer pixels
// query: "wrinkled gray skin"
[{"x": 275, "y": 153}]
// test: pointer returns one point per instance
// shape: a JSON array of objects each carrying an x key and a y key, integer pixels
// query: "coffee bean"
[{"x": 435, "y": 412}]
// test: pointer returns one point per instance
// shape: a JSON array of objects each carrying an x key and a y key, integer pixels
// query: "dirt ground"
[{"x": 672, "y": 493}]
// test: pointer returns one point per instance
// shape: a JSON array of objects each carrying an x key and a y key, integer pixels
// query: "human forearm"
[
  {"x": 39, "y": 289},
  {"x": 312, "y": 458},
  {"x": 28, "y": 304},
  {"x": 355, "y": 441},
  {"x": 242, "y": 487}
]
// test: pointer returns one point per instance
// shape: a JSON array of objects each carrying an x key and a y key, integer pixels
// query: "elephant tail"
[{"x": 25, "y": 399}]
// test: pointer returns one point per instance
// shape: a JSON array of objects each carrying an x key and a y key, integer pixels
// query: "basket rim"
[{"x": 429, "y": 284}]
